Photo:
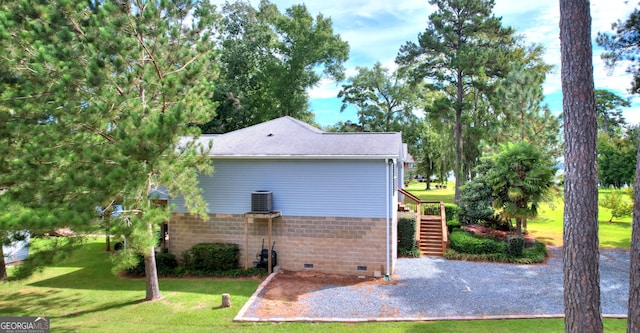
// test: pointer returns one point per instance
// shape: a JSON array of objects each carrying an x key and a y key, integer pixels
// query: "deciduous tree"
[
  {"x": 385, "y": 102},
  {"x": 268, "y": 60},
  {"x": 617, "y": 157}
]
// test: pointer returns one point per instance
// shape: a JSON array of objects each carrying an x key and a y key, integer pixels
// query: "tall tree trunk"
[
  {"x": 3, "y": 265},
  {"x": 581, "y": 254},
  {"x": 458, "y": 164},
  {"x": 633, "y": 315},
  {"x": 151, "y": 273}
]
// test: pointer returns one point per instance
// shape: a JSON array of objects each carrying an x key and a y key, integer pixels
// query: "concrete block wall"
[{"x": 337, "y": 245}]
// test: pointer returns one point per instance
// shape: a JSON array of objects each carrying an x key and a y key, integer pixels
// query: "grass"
[
  {"x": 548, "y": 226},
  {"x": 81, "y": 295},
  {"x": 444, "y": 195}
]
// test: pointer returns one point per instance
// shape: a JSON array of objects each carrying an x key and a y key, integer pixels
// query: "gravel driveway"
[{"x": 436, "y": 288}]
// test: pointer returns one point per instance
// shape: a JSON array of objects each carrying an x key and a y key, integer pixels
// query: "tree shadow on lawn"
[
  {"x": 22, "y": 303},
  {"x": 94, "y": 273}
]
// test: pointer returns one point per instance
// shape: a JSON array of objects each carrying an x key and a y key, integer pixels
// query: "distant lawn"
[
  {"x": 548, "y": 226},
  {"x": 444, "y": 195},
  {"x": 82, "y": 295}
]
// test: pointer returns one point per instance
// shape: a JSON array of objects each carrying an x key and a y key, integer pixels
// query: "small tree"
[
  {"x": 619, "y": 207},
  {"x": 520, "y": 180},
  {"x": 476, "y": 201}
]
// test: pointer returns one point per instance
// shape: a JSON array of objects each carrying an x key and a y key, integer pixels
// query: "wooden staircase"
[
  {"x": 432, "y": 235},
  {"x": 431, "y": 238}
]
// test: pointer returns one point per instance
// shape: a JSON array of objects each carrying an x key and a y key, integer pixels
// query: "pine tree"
[
  {"x": 580, "y": 268},
  {"x": 463, "y": 46},
  {"x": 95, "y": 97}
]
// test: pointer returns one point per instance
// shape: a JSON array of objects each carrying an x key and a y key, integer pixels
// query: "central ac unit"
[{"x": 261, "y": 202}]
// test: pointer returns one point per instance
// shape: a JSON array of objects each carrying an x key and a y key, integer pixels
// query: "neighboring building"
[
  {"x": 335, "y": 195},
  {"x": 17, "y": 250}
]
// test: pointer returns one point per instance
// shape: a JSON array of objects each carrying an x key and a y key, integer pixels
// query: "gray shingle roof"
[{"x": 289, "y": 137}]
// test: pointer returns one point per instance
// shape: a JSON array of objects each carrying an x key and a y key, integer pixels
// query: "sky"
[{"x": 376, "y": 29}]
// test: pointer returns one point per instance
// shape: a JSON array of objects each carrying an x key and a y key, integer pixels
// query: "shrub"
[
  {"x": 533, "y": 255},
  {"x": 462, "y": 241},
  {"x": 476, "y": 201},
  {"x": 407, "y": 236},
  {"x": 137, "y": 270},
  {"x": 210, "y": 257},
  {"x": 515, "y": 246},
  {"x": 453, "y": 225},
  {"x": 451, "y": 211},
  {"x": 166, "y": 265}
]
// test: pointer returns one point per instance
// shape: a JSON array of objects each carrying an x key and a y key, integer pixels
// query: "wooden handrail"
[
  {"x": 445, "y": 231},
  {"x": 410, "y": 195},
  {"x": 443, "y": 215}
]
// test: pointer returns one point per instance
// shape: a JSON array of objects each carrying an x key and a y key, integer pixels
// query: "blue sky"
[{"x": 375, "y": 30}]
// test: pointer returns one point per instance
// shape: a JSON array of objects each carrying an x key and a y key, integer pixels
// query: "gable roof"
[{"x": 287, "y": 137}]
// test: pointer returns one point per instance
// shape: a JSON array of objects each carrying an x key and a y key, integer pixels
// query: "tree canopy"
[
  {"x": 463, "y": 48},
  {"x": 521, "y": 179},
  {"x": 268, "y": 60},
  {"x": 94, "y": 98}
]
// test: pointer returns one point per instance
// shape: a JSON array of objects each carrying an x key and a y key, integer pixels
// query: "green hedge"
[
  {"x": 451, "y": 210},
  {"x": 166, "y": 265},
  {"x": 462, "y": 241},
  {"x": 464, "y": 246},
  {"x": 453, "y": 225},
  {"x": 211, "y": 257},
  {"x": 407, "y": 246}
]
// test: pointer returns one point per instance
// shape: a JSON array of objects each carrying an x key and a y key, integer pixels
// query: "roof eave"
[{"x": 308, "y": 157}]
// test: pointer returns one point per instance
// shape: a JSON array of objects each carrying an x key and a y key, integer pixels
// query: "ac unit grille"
[{"x": 261, "y": 202}]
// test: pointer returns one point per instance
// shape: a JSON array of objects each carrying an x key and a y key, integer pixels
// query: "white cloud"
[{"x": 326, "y": 88}]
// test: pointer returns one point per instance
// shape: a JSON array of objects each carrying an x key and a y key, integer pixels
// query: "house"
[
  {"x": 17, "y": 250},
  {"x": 333, "y": 196}
]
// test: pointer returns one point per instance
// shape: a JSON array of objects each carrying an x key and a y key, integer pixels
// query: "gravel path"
[{"x": 436, "y": 288}]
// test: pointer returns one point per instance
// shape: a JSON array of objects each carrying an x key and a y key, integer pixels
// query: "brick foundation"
[{"x": 331, "y": 244}]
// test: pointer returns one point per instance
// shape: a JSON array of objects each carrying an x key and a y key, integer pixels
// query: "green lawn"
[
  {"x": 82, "y": 295},
  {"x": 444, "y": 195},
  {"x": 548, "y": 226}
]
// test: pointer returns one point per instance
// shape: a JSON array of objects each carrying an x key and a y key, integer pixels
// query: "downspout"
[{"x": 387, "y": 276}]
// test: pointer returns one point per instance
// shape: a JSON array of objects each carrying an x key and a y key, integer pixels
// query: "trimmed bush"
[
  {"x": 462, "y": 241},
  {"x": 166, "y": 264},
  {"x": 137, "y": 270},
  {"x": 515, "y": 246},
  {"x": 407, "y": 246},
  {"x": 451, "y": 210},
  {"x": 453, "y": 225},
  {"x": 211, "y": 257}
]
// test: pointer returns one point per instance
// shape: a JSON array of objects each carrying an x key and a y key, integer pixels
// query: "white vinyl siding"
[{"x": 340, "y": 188}]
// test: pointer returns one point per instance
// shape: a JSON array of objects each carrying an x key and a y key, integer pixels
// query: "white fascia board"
[{"x": 306, "y": 157}]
